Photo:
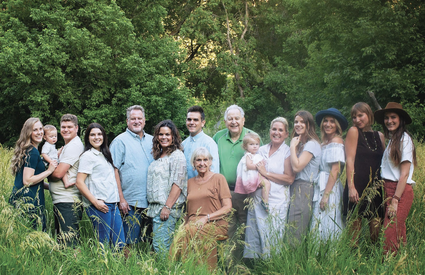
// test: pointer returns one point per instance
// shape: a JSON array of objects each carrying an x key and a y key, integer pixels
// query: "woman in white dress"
[
  {"x": 265, "y": 230},
  {"x": 327, "y": 207}
]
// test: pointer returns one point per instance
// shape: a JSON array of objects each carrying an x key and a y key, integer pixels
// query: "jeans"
[
  {"x": 163, "y": 233},
  {"x": 107, "y": 226},
  {"x": 134, "y": 221}
]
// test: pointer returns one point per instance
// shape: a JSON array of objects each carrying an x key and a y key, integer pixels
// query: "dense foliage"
[
  {"x": 95, "y": 58},
  {"x": 86, "y": 58}
]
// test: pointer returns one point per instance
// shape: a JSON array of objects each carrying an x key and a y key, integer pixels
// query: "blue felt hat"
[{"x": 335, "y": 113}]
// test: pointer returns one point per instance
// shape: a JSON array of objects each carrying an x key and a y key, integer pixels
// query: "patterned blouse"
[{"x": 162, "y": 174}]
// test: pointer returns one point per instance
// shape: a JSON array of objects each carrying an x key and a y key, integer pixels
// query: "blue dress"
[{"x": 33, "y": 195}]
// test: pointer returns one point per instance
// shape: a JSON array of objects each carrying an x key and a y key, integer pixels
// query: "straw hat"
[
  {"x": 392, "y": 107},
  {"x": 334, "y": 113}
]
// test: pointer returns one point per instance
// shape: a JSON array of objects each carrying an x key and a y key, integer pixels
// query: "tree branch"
[
  {"x": 375, "y": 102},
  {"x": 237, "y": 77},
  {"x": 246, "y": 21}
]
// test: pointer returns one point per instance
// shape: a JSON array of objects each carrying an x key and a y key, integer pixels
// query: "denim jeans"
[
  {"x": 134, "y": 222},
  {"x": 163, "y": 233},
  {"x": 108, "y": 226}
]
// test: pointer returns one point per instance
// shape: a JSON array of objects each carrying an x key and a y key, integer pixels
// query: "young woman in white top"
[
  {"x": 396, "y": 169},
  {"x": 98, "y": 181}
]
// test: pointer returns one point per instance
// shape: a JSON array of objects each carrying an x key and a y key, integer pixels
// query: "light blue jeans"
[{"x": 163, "y": 233}]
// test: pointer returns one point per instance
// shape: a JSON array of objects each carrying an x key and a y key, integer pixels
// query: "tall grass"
[{"x": 23, "y": 250}]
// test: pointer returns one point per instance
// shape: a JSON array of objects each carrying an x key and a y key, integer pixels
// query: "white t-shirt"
[
  {"x": 50, "y": 150},
  {"x": 70, "y": 154},
  {"x": 390, "y": 171},
  {"x": 101, "y": 180}
]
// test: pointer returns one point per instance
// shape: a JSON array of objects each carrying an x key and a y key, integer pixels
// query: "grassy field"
[{"x": 23, "y": 250}]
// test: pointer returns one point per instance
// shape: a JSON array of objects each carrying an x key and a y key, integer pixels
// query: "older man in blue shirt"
[
  {"x": 132, "y": 155},
  {"x": 195, "y": 120}
]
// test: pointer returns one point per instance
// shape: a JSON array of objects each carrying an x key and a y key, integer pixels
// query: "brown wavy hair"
[
  {"x": 23, "y": 145},
  {"x": 157, "y": 149},
  {"x": 309, "y": 125}
]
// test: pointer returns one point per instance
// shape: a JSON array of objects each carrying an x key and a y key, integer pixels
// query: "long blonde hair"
[{"x": 20, "y": 154}]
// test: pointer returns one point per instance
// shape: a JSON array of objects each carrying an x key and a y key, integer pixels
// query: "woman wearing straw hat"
[
  {"x": 396, "y": 169},
  {"x": 327, "y": 214}
]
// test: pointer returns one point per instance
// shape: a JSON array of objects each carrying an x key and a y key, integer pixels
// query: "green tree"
[{"x": 87, "y": 58}]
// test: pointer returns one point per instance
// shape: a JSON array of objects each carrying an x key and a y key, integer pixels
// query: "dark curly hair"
[{"x": 176, "y": 143}]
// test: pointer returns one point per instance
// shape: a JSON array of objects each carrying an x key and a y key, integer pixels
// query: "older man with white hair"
[{"x": 230, "y": 151}]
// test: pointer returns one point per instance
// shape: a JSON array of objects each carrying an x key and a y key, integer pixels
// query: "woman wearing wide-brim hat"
[
  {"x": 327, "y": 207},
  {"x": 396, "y": 170}
]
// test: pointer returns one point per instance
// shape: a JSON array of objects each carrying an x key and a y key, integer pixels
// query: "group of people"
[{"x": 142, "y": 184}]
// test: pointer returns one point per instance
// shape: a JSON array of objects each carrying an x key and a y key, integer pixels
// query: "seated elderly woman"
[{"x": 208, "y": 203}]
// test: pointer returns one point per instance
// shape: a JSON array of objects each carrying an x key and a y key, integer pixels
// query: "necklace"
[
  {"x": 205, "y": 178},
  {"x": 367, "y": 143}
]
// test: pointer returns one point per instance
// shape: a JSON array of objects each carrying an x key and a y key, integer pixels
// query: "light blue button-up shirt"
[
  {"x": 200, "y": 140},
  {"x": 132, "y": 156}
]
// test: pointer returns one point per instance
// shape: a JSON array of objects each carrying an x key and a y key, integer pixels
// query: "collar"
[
  {"x": 134, "y": 135},
  {"x": 244, "y": 131},
  {"x": 94, "y": 151},
  {"x": 197, "y": 137}
]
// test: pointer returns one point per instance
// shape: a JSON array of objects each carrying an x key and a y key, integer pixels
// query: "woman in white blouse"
[
  {"x": 98, "y": 181},
  {"x": 265, "y": 230},
  {"x": 396, "y": 170}
]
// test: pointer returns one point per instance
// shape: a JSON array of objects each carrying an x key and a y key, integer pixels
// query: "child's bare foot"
[{"x": 69, "y": 184}]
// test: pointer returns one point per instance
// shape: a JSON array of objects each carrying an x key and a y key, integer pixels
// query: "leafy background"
[{"x": 96, "y": 58}]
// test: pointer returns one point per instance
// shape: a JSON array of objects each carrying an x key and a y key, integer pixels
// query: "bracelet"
[
  {"x": 208, "y": 216},
  {"x": 166, "y": 206},
  {"x": 396, "y": 197}
]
